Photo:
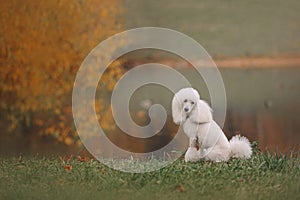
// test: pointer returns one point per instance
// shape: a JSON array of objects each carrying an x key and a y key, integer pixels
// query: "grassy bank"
[
  {"x": 264, "y": 176},
  {"x": 225, "y": 28}
]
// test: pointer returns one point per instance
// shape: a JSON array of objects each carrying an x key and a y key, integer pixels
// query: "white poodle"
[{"x": 207, "y": 140}]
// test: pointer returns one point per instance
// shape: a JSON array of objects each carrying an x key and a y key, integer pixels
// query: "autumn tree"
[{"x": 42, "y": 46}]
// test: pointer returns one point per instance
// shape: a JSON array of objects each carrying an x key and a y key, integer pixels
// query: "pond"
[{"x": 262, "y": 104}]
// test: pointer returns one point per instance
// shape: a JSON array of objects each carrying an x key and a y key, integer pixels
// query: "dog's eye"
[
  {"x": 192, "y": 102},
  {"x": 185, "y": 101}
]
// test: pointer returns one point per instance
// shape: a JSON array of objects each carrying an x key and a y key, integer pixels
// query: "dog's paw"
[{"x": 191, "y": 155}]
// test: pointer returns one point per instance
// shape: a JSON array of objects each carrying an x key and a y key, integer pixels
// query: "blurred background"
[{"x": 255, "y": 44}]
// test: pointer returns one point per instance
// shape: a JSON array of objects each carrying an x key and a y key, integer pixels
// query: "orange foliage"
[{"x": 42, "y": 44}]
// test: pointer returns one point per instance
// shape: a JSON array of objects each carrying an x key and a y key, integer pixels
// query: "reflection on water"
[
  {"x": 262, "y": 104},
  {"x": 274, "y": 130}
]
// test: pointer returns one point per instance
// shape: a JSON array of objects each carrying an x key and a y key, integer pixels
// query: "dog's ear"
[
  {"x": 203, "y": 113},
  {"x": 177, "y": 110}
]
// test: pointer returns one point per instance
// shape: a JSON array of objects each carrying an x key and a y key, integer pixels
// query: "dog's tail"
[{"x": 240, "y": 147}]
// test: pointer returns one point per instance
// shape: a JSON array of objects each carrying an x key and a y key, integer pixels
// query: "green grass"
[
  {"x": 226, "y": 28},
  {"x": 264, "y": 176}
]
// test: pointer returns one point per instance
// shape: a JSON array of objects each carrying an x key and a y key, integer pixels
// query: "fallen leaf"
[
  {"x": 180, "y": 188},
  {"x": 83, "y": 159},
  {"x": 68, "y": 167}
]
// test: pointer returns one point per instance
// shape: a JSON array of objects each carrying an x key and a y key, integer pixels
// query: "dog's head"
[
  {"x": 184, "y": 102},
  {"x": 189, "y": 105}
]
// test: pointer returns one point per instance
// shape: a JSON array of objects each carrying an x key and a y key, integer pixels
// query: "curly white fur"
[{"x": 195, "y": 115}]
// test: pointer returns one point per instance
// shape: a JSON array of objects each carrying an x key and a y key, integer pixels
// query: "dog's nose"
[{"x": 186, "y": 109}]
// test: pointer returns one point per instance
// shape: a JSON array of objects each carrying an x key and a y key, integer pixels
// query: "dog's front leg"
[
  {"x": 192, "y": 153},
  {"x": 194, "y": 142}
]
